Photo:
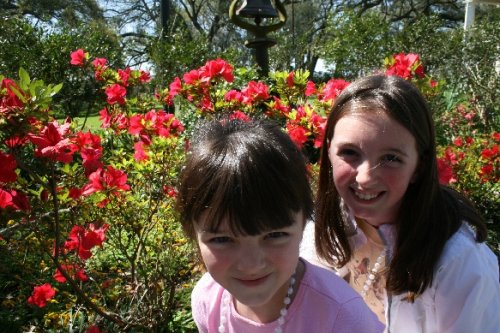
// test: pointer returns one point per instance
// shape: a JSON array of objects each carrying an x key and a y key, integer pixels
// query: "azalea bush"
[
  {"x": 89, "y": 237},
  {"x": 469, "y": 160}
]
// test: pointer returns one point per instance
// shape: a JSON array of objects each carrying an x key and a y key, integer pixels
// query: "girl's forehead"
[{"x": 372, "y": 128}]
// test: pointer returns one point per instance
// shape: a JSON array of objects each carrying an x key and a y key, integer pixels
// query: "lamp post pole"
[{"x": 261, "y": 42}]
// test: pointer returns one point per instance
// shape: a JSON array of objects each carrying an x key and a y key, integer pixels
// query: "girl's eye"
[
  {"x": 347, "y": 152},
  {"x": 391, "y": 159},
  {"x": 276, "y": 234},
  {"x": 220, "y": 240}
]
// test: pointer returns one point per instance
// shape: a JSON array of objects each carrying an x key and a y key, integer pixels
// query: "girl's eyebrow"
[{"x": 396, "y": 151}]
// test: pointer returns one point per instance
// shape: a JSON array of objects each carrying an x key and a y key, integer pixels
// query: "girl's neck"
[{"x": 271, "y": 311}]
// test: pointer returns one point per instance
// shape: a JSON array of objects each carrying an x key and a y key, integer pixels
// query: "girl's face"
[
  {"x": 374, "y": 159},
  {"x": 256, "y": 270}
]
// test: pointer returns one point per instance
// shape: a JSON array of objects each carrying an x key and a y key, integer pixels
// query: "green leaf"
[{"x": 24, "y": 79}]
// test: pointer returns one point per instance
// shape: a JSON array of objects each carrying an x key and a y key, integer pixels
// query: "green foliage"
[
  {"x": 356, "y": 43},
  {"x": 48, "y": 59}
]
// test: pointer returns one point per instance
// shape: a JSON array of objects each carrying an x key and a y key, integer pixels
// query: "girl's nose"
[
  {"x": 251, "y": 260},
  {"x": 366, "y": 173}
]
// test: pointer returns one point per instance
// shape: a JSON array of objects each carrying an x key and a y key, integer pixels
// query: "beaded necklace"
[
  {"x": 283, "y": 312},
  {"x": 372, "y": 273}
]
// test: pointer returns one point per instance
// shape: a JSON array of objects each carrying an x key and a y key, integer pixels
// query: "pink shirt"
[{"x": 324, "y": 303}]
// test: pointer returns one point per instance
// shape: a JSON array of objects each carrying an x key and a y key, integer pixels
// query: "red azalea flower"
[
  {"x": 233, "y": 96},
  {"x": 175, "y": 87},
  {"x": 289, "y": 80},
  {"x": 495, "y": 136},
  {"x": 105, "y": 118},
  {"x": 5, "y": 199},
  {"x": 83, "y": 240},
  {"x": 277, "y": 106},
  {"x": 76, "y": 272},
  {"x": 144, "y": 76},
  {"x": 297, "y": 133},
  {"x": 78, "y": 57},
  {"x": 8, "y": 167},
  {"x": 116, "y": 94},
  {"x": 310, "y": 89},
  {"x": 136, "y": 124},
  {"x": 192, "y": 77},
  {"x": 405, "y": 64},
  {"x": 94, "y": 329},
  {"x": 489, "y": 154},
  {"x": 16, "y": 141},
  {"x": 99, "y": 62},
  {"x": 41, "y": 294},
  {"x": 140, "y": 154},
  {"x": 52, "y": 144},
  {"x": 170, "y": 191},
  {"x": 110, "y": 180},
  {"x": 88, "y": 140},
  {"x": 124, "y": 75},
  {"x": 255, "y": 92},
  {"x": 333, "y": 88},
  {"x": 215, "y": 69},
  {"x": 445, "y": 172},
  {"x": 239, "y": 115},
  {"x": 17, "y": 201},
  {"x": 20, "y": 201},
  {"x": 74, "y": 193},
  {"x": 458, "y": 142},
  {"x": 10, "y": 99}
]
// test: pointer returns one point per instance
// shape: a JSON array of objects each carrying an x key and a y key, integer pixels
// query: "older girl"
[{"x": 413, "y": 249}]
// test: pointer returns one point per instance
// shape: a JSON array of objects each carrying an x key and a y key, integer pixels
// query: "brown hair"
[
  {"x": 250, "y": 173},
  {"x": 430, "y": 213}
]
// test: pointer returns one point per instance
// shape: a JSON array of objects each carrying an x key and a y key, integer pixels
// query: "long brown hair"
[{"x": 430, "y": 213}]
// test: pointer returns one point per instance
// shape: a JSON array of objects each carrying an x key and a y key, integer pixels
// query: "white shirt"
[{"x": 464, "y": 296}]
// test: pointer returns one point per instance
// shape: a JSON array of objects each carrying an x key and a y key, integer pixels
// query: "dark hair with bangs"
[
  {"x": 430, "y": 213},
  {"x": 250, "y": 174}
]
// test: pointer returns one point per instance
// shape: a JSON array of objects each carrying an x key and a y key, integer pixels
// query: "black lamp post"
[{"x": 258, "y": 10}]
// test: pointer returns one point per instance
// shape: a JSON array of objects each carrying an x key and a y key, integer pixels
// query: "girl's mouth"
[
  {"x": 366, "y": 196},
  {"x": 253, "y": 282}
]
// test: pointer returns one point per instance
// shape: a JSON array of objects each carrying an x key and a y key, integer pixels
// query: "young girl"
[
  {"x": 244, "y": 197},
  {"x": 412, "y": 248}
]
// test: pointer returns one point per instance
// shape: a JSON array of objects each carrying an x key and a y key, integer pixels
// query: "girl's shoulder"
[
  {"x": 324, "y": 283},
  {"x": 206, "y": 289},
  {"x": 463, "y": 247}
]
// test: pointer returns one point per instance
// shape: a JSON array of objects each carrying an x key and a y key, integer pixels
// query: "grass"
[{"x": 93, "y": 123}]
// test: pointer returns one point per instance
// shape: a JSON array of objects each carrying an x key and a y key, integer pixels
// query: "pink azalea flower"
[
  {"x": 116, "y": 94},
  {"x": 52, "y": 143},
  {"x": 78, "y": 57},
  {"x": 140, "y": 154}
]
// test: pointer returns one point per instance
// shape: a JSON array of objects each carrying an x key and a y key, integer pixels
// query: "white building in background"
[{"x": 470, "y": 12}]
